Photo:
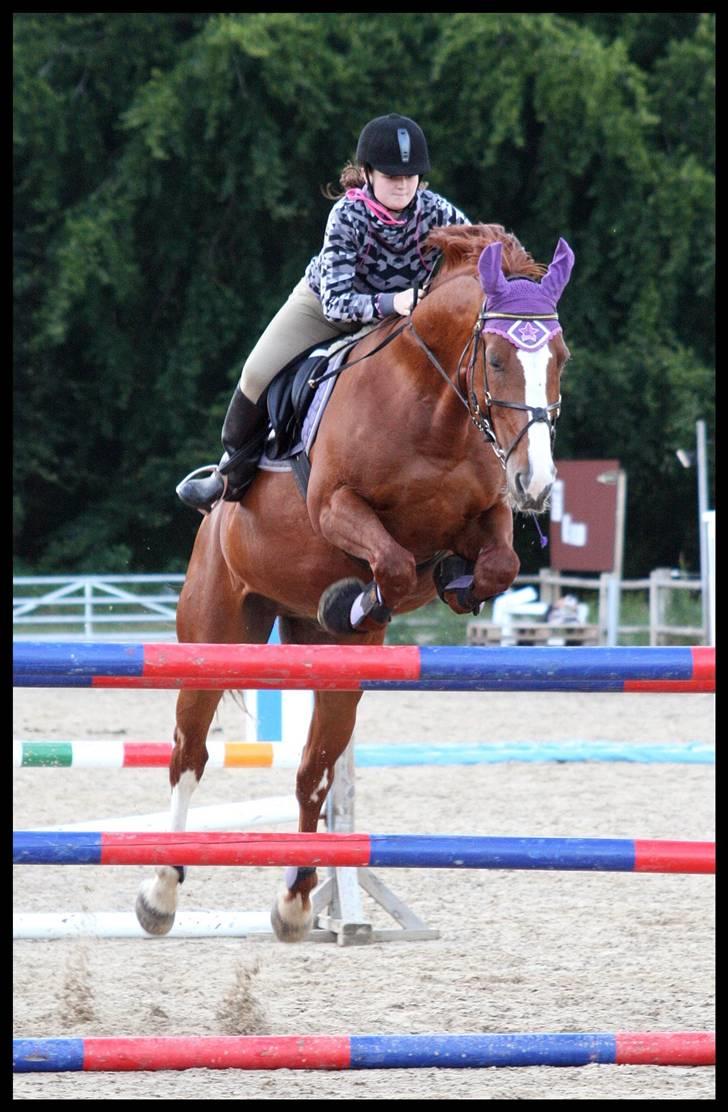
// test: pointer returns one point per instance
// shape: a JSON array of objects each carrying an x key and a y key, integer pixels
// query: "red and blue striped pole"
[
  {"x": 330, "y": 1052},
  {"x": 364, "y": 667},
  {"x": 35, "y": 847}
]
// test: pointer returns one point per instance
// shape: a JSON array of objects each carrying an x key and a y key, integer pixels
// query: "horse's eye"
[{"x": 495, "y": 362}]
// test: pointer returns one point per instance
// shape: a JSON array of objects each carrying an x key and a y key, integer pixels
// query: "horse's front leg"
[
  {"x": 486, "y": 563},
  {"x": 347, "y": 521},
  {"x": 156, "y": 903},
  {"x": 332, "y": 725}
]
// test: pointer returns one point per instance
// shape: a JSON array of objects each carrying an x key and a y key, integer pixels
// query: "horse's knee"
[
  {"x": 495, "y": 570},
  {"x": 395, "y": 575}
]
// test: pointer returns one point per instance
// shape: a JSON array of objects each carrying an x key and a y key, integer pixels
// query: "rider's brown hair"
[{"x": 353, "y": 176}]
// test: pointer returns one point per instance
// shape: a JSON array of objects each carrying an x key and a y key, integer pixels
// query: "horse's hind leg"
[
  {"x": 332, "y": 725},
  {"x": 156, "y": 902},
  {"x": 250, "y": 620}
]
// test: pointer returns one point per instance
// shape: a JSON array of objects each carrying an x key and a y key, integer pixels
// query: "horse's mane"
[{"x": 461, "y": 246}]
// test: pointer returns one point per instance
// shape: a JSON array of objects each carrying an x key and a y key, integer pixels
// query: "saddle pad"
[{"x": 318, "y": 404}]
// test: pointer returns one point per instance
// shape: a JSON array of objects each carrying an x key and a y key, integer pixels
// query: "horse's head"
[{"x": 523, "y": 359}]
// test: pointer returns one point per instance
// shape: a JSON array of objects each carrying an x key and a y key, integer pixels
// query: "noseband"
[{"x": 483, "y": 420}]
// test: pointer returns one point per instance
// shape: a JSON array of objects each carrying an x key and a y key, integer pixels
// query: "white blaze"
[{"x": 541, "y": 464}]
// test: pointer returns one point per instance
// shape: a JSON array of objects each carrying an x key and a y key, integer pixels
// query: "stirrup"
[
  {"x": 210, "y": 469},
  {"x": 207, "y": 468}
]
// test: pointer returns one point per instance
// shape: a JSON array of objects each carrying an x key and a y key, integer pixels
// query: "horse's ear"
[
  {"x": 490, "y": 270},
  {"x": 554, "y": 280}
]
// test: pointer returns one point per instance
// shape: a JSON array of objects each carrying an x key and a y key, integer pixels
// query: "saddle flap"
[
  {"x": 289, "y": 397},
  {"x": 287, "y": 400}
]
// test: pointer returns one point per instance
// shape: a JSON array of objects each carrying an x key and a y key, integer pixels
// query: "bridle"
[{"x": 483, "y": 420}]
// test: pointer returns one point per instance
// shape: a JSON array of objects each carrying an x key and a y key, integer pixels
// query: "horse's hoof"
[
  {"x": 453, "y": 577},
  {"x": 297, "y": 926},
  {"x": 334, "y": 610},
  {"x": 151, "y": 917}
]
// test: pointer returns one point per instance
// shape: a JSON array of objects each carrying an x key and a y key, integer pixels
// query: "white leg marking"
[
  {"x": 322, "y": 785},
  {"x": 180, "y": 801},
  {"x": 160, "y": 891}
]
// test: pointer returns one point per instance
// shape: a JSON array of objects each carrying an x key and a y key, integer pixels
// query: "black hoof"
[
  {"x": 449, "y": 571},
  {"x": 335, "y": 605}
]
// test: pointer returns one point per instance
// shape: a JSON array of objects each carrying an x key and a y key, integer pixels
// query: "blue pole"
[{"x": 270, "y": 704}]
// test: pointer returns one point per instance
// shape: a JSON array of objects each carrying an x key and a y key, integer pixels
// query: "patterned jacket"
[{"x": 364, "y": 261}]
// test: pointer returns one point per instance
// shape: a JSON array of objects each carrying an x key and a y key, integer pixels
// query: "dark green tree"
[{"x": 168, "y": 172}]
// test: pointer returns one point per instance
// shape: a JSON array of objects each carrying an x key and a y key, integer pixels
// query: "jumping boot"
[{"x": 244, "y": 433}]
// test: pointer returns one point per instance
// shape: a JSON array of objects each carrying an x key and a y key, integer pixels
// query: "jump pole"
[
  {"x": 120, "y": 924},
  {"x": 216, "y": 816},
  {"x": 32, "y": 847},
  {"x": 113, "y": 753},
  {"x": 331, "y": 1052},
  {"x": 359, "y": 667},
  {"x": 222, "y": 923}
]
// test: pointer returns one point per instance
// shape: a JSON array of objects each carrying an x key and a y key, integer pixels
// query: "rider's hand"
[{"x": 404, "y": 302}]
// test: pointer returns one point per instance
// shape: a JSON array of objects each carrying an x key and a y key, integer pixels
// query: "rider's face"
[{"x": 395, "y": 193}]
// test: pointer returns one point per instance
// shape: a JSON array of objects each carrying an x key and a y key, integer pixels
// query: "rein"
[
  {"x": 483, "y": 421},
  {"x": 314, "y": 382}
]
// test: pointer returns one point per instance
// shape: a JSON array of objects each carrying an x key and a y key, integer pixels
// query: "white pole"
[
  {"x": 709, "y": 534},
  {"x": 217, "y": 816},
  {"x": 702, "y": 510},
  {"x": 614, "y": 583},
  {"x": 119, "y": 924},
  {"x": 88, "y": 609}
]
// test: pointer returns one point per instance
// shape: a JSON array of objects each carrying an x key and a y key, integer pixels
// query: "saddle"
[
  {"x": 296, "y": 399},
  {"x": 289, "y": 397}
]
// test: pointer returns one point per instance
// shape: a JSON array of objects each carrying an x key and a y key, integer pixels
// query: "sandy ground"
[{"x": 518, "y": 951}]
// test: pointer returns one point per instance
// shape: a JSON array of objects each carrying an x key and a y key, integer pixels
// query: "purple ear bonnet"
[{"x": 520, "y": 300}]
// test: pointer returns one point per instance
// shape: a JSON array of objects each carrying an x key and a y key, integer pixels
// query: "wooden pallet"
[
  {"x": 531, "y": 633},
  {"x": 481, "y": 632},
  {"x": 543, "y": 633}
]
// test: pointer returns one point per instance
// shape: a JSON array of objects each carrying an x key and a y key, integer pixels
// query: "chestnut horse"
[{"x": 424, "y": 451}]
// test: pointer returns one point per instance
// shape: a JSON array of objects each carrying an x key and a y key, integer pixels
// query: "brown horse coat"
[{"x": 402, "y": 473}]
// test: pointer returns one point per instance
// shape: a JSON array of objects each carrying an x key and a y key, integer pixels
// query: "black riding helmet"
[{"x": 393, "y": 145}]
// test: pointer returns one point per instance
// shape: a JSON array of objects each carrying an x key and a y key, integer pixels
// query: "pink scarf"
[{"x": 379, "y": 210}]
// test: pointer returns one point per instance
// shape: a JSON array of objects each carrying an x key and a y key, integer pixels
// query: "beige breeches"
[{"x": 298, "y": 324}]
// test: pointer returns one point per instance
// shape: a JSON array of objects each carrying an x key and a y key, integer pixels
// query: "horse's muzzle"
[{"x": 525, "y": 497}]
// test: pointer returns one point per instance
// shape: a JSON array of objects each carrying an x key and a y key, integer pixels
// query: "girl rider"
[{"x": 368, "y": 266}]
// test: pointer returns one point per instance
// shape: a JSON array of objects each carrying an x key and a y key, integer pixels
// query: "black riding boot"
[{"x": 244, "y": 433}]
